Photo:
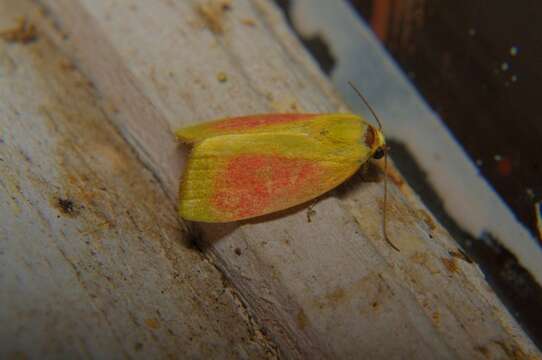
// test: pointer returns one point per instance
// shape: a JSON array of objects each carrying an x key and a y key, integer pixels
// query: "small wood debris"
[
  {"x": 460, "y": 254},
  {"x": 24, "y": 32},
  {"x": 222, "y": 77},
  {"x": 212, "y": 12},
  {"x": 248, "y": 22}
]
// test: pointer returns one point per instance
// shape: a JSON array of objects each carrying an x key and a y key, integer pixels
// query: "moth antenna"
[
  {"x": 384, "y": 224},
  {"x": 384, "y": 211},
  {"x": 366, "y": 104}
]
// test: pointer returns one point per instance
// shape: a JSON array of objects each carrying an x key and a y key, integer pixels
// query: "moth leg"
[{"x": 310, "y": 210}]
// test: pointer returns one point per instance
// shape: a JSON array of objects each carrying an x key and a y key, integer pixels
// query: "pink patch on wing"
[
  {"x": 252, "y": 185},
  {"x": 247, "y": 122}
]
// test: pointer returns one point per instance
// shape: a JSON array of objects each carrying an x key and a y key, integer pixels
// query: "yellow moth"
[{"x": 248, "y": 166}]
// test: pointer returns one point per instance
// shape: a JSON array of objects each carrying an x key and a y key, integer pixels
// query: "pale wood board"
[
  {"x": 93, "y": 263},
  {"x": 330, "y": 287}
]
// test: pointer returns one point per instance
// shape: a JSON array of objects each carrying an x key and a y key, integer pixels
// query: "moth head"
[{"x": 374, "y": 139}]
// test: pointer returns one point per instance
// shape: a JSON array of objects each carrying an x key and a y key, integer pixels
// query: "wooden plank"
[
  {"x": 330, "y": 287},
  {"x": 93, "y": 263}
]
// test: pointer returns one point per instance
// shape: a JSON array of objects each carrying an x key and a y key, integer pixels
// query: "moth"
[{"x": 248, "y": 166}]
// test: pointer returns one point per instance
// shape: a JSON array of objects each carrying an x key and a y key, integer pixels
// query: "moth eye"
[{"x": 378, "y": 154}]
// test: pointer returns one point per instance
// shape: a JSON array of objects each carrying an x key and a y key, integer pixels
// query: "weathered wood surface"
[
  {"x": 330, "y": 287},
  {"x": 92, "y": 260}
]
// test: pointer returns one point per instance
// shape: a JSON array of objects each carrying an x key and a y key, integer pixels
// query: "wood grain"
[{"x": 93, "y": 262}]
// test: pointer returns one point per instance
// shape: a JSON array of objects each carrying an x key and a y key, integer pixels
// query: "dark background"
[{"x": 460, "y": 56}]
